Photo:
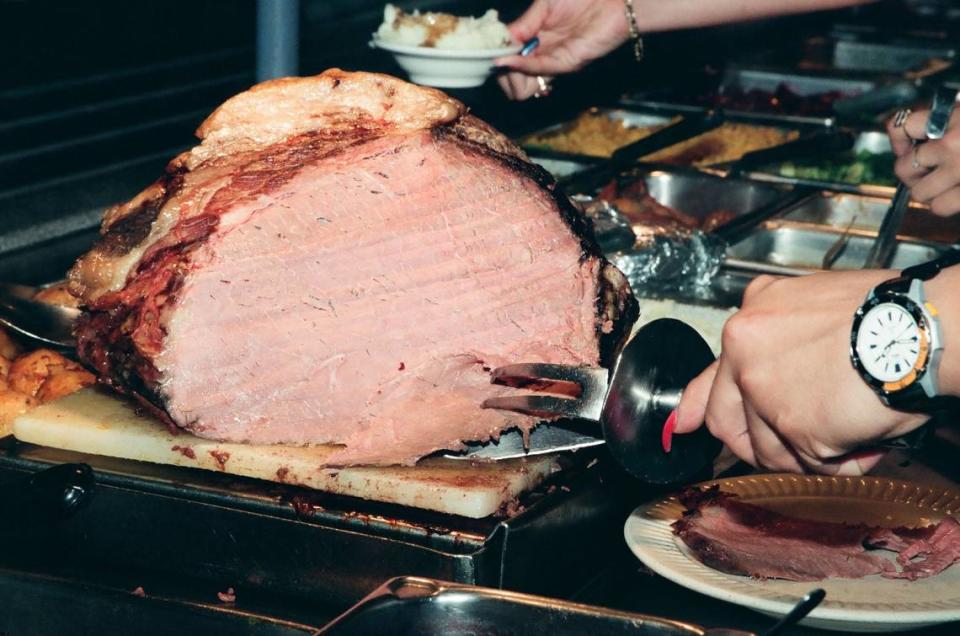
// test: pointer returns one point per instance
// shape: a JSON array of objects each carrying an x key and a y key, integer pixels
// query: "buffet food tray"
[
  {"x": 764, "y": 79},
  {"x": 699, "y": 194},
  {"x": 871, "y": 141},
  {"x": 783, "y": 248},
  {"x": 839, "y": 211},
  {"x": 306, "y": 544},
  {"x": 421, "y": 606},
  {"x": 105, "y": 610},
  {"x": 628, "y": 118},
  {"x": 854, "y": 54}
]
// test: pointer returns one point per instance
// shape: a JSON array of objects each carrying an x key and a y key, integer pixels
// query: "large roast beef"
[{"x": 342, "y": 260}]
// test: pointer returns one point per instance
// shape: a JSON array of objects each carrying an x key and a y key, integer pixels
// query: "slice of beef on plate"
[{"x": 736, "y": 537}]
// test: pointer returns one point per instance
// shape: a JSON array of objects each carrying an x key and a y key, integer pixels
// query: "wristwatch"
[{"x": 895, "y": 343}]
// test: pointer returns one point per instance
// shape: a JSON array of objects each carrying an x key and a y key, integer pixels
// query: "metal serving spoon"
[{"x": 49, "y": 325}]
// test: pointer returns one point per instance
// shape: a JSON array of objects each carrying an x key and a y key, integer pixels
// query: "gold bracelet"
[{"x": 634, "y": 30}]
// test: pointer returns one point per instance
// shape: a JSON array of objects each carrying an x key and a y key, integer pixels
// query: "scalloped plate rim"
[{"x": 652, "y": 557}]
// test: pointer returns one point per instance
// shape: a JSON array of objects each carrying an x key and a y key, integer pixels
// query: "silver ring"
[
  {"x": 901, "y": 117},
  {"x": 544, "y": 86}
]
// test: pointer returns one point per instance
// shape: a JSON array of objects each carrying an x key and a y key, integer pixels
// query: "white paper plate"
[{"x": 871, "y": 604}]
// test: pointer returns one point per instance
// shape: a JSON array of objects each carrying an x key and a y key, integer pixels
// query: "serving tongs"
[
  {"x": 589, "y": 179},
  {"x": 881, "y": 253}
]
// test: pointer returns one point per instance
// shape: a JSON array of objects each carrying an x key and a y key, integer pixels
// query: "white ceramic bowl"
[{"x": 445, "y": 68}]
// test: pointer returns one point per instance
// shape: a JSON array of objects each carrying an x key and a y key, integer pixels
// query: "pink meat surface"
[{"x": 352, "y": 285}]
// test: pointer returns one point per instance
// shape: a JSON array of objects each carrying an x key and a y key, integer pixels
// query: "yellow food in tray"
[
  {"x": 729, "y": 142},
  {"x": 592, "y": 133}
]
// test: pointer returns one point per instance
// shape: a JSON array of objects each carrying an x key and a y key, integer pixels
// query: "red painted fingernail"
[
  {"x": 666, "y": 437},
  {"x": 868, "y": 453}
]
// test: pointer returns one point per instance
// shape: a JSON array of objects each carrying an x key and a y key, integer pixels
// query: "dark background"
[{"x": 96, "y": 96}]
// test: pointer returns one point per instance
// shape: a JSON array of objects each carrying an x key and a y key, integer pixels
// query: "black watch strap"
[
  {"x": 923, "y": 271},
  {"x": 913, "y": 398}
]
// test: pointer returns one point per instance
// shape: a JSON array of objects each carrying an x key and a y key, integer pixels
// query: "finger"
[
  {"x": 725, "y": 416},
  {"x": 946, "y": 204},
  {"x": 859, "y": 463},
  {"x": 530, "y": 23},
  {"x": 916, "y": 124},
  {"x": 769, "y": 448},
  {"x": 938, "y": 182},
  {"x": 906, "y": 172},
  {"x": 757, "y": 285},
  {"x": 524, "y": 87},
  {"x": 693, "y": 403},
  {"x": 515, "y": 81},
  {"x": 899, "y": 140},
  {"x": 505, "y": 85},
  {"x": 544, "y": 64}
]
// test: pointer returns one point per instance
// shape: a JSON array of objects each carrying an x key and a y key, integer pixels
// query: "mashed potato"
[{"x": 442, "y": 30}]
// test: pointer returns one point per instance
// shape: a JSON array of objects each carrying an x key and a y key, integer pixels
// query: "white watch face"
[{"x": 889, "y": 342}]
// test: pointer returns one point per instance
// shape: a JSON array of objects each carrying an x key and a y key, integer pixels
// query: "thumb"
[
  {"x": 855, "y": 464},
  {"x": 693, "y": 405},
  {"x": 530, "y": 23}
]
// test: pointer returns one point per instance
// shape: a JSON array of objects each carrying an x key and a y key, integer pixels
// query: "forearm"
[
  {"x": 943, "y": 292},
  {"x": 658, "y": 15}
]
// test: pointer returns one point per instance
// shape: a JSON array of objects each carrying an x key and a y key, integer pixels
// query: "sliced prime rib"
[
  {"x": 737, "y": 537},
  {"x": 342, "y": 260}
]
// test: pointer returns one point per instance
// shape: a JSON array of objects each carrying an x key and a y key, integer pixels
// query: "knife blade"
[{"x": 544, "y": 439}]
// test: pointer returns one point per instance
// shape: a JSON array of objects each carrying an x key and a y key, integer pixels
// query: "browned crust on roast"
[
  {"x": 283, "y": 108},
  {"x": 336, "y": 108}
]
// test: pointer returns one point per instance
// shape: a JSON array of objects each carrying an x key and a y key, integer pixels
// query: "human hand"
[
  {"x": 784, "y": 395},
  {"x": 572, "y": 34},
  {"x": 932, "y": 170}
]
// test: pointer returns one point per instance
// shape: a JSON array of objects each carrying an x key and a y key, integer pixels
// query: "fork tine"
[
  {"x": 539, "y": 405},
  {"x": 527, "y": 371}
]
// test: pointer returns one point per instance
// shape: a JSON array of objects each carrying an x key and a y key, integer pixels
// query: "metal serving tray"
[
  {"x": 44, "y": 605},
  {"x": 872, "y": 141},
  {"x": 766, "y": 79},
  {"x": 630, "y": 118},
  {"x": 668, "y": 102},
  {"x": 558, "y": 166},
  {"x": 789, "y": 249},
  {"x": 852, "y": 54},
  {"x": 699, "y": 194},
  {"x": 864, "y": 214},
  {"x": 421, "y": 606},
  {"x": 800, "y": 83},
  {"x": 305, "y": 544}
]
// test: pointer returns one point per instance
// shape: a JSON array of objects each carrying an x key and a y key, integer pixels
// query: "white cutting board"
[{"x": 95, "y": 422}]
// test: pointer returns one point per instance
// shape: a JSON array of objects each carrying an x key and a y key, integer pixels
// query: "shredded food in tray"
[
  {"x": 592, "y": 133},
  {"x": 729, "y": 142}
]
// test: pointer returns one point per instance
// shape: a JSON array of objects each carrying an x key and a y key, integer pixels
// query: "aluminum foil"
[{"x": 662, "y": 258}]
